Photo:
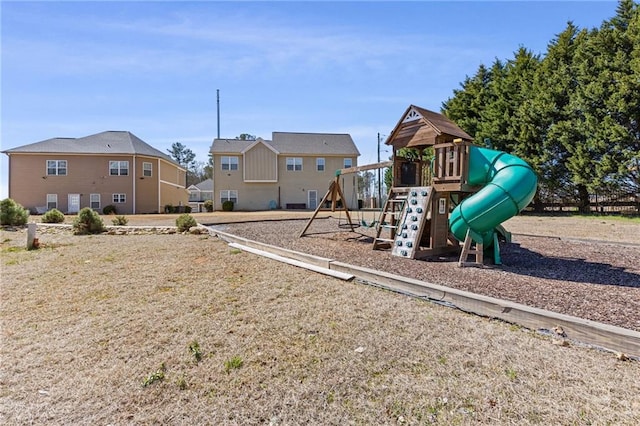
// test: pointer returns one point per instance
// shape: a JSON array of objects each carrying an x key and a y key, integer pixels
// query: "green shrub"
[
  {"x": 208, "y": 205},
  {"x": 120, "y": 221},
  {"x": 194, "y": 348},
  {"x": 88, "y": 222},
  {"x": 12, "y": 213},
  {"x": 185, "y": 221},
  {"x": 53, "y": 216},
  {"x": 233, "y": 364},
  {"x": 156, "y": 376},
  {"x": 170, "y": 208},
  {"x": 227, "y": 206},
  {"x": 109, "y": 209}
]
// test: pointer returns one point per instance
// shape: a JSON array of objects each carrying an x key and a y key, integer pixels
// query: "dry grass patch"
[{"x": 105, "y": 330}]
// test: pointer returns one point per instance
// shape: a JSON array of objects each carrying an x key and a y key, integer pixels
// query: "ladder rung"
[
  {"x": 385, "y": 240},
  {"x": 389, "y": 226}
]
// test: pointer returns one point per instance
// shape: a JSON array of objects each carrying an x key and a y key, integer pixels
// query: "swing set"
[{"x": 335, "y": 194}]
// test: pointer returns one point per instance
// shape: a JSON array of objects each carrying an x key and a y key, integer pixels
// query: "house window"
[
  {"x": 294, "y": 164},
  {"x": 194, "y": 196},
  {"x": 229, "y": 163},
  {"x": 94, "y": 200},
  {"x": 56, "y": 167},
  {"x": 147, "y": 169},
  {"x": 320, "y": 164},
  {"x": 229, "y": 195},
  {"x": 120, "y": 198},
  {"x": 119, "y": 168},
  {"x": 348, "y": 163},
  {"x": 52, "y": 201}
]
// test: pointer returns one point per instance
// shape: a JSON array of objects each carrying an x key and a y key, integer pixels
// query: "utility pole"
[
  {"x": 379, "y": 183},
  {"x": 218, "y": 96}
]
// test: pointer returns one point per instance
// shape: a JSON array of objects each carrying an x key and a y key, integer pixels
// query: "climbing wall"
[{"x": 412, "y": 222}]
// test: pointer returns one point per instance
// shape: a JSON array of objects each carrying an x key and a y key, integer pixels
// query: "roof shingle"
[
  {"x": 289, "y": 143},
  {"x": 109, "y": 142}
]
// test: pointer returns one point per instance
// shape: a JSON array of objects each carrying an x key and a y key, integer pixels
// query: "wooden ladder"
[{"x": 389, "y": 218}]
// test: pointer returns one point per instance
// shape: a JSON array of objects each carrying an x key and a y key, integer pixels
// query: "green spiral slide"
[{"x": 509, "y": 184}]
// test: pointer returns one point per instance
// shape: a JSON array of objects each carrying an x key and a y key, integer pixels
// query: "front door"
[
  {"x": 74, "y": 203},
  {"x": 313, "y": 199}
]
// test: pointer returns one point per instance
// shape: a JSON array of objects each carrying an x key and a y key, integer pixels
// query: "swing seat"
[{"x": 370, "y": 225}]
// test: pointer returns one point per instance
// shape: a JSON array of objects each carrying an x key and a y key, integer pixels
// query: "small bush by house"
[
  {"x": 208, "y": 205},
  {"x": 53, "y": 216},
  {"x": 12, "y": 213},
  {"x": 227, "y": 206},
  {"x": 109, "y": 209},
  {"x": 170, "y": 208},
  {"x": 185, "y": 221},
  {"x": 120, "y": 221},
  {"x": 87, "y": 222}
]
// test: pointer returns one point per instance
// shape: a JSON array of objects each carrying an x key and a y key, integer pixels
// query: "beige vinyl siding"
[
  {"x": 226, "y": 179},
  {"x": 295, "y": 184},
  {"x": 171, "y": 186},
  {"x": 147, "y": 191},
  {"x": 291, "y": 187},
  {"x": 29, "y": 183},
  {"x": 260, "y": 164},
  {"x": 169, "y": 173},
  {"x": 256, "y": 196}
]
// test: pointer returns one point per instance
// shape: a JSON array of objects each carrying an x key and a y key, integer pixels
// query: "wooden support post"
[
  {"x": 319, "y": 206},
  {"x": 334, "y": 192},
  {"x": 467, "y": 250}
]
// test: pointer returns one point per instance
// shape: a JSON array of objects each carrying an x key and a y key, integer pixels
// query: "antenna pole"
[
  {"x": 218, "y": 101},
  {"x": 379, "y": 178}
]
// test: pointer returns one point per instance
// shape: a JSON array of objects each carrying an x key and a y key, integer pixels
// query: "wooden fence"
[{"x": 612, "y": 203}]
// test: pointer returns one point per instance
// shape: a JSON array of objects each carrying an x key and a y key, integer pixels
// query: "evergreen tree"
[
  {"x": 550, "y": 114},
  {"x": 466, "y": 106},
  {"x": 607, "y": 92},
  {"x": 573, "y": 115},
  {"x": 186, "y": 158}
]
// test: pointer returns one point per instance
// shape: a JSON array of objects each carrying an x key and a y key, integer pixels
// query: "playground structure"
[
  {"x": 461, "y": 194},
  {"x": 334, "y": 194}
]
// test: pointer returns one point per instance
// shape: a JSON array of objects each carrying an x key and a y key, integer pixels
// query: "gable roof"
[
  {"x": 260, "y": 141},
  {"x": 291, "y": 143},
  {"x": 109, "y": 142},
  {"x": 315, "y": 143},
  {"x": 229, "y": 146},
  {"x": 419, "y": 127},
  {"x": 205, "y": 185}
]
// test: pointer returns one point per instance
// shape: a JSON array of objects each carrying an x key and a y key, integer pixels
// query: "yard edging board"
[{"x": 603, "y": 336}]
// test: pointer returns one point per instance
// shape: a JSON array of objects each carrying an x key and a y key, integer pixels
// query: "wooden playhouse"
[{"x": 414, "y": 220}]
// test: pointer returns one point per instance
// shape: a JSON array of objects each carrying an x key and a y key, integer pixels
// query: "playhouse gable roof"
[{"x": 419, "y": 127}]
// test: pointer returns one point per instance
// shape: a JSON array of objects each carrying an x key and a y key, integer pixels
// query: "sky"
[{"x": 73, "y": 69}]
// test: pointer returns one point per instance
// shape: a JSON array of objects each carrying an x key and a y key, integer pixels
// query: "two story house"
[
  {"x": 290, "y": 171},
  {"x": 113, "y": 167},
  {"x": 199, "y": 193}
]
